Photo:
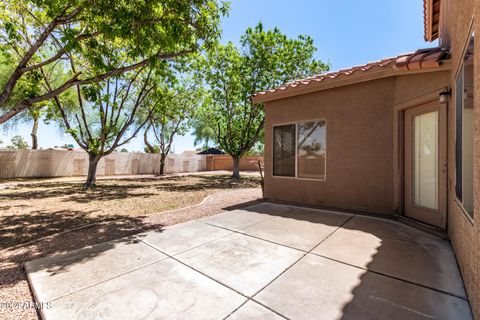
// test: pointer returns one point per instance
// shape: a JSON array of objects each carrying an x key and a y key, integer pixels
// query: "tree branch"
[
  {"x": 12, "y": 81},
  {"x": 21, "y": 106},
  {"x": 58, "y": 55}
]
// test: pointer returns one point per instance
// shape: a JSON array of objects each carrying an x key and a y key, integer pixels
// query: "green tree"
[
  {"x": 266, "y": 59},
  {"x": 203, "y": 133},
  {"x": 94, "y": 40},
  {"x": 17, "y": 142},
  {"x": 149, "y": 148},
  {"x": 35, "y": 113},
  {"x": 175, "y": 106},
  {"x": 105, "y": 117},
  {"x": 25, "y": 87}
]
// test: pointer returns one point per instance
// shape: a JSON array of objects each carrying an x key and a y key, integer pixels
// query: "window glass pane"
[
  {"x": 425, "y": 160},
  {"x": 284, "y": 151},
  {"x": 311, "y": 150},
  {"x": 467, "y": 128}
]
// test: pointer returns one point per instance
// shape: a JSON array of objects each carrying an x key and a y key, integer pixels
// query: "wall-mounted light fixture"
[{"x": 444, "y": 95}]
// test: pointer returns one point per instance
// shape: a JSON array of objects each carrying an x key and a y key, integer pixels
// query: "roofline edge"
[{"x": 392, "y": 71}]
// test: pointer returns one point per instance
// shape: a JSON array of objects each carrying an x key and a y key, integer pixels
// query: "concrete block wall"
[
  {"x": 63, "y": 163},
  {"x": 225, "y": 162}
]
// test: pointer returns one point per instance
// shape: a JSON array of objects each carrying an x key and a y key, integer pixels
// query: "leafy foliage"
[
  {"x": 105, "y": 117},
  {"x": 175, "y": 108},
  {"x": 202, "y": 132},
  {"x": 17, "y": 142},
  {"x": 93, "y": 40}
]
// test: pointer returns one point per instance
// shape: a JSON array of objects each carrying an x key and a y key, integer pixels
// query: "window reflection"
[{"x": 311, "y": 150}]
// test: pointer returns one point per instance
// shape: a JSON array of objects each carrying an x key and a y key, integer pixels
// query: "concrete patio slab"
[
  {"x": 252, "y": 310},
  {"x": 58, "y": 275},
  {"x": 418, "y": 261},
  {"x": 237, "y": 219},
  {"x": 243, "y": 263},
  {"x": 391, "y": 229},
  {"x": 175, "y": 239},
  {"x": 270, "y": 208},
  {"x": 164, "y": 290},
  {"x": 253, "y": 272},
  {"x": 300, "y": 229},
  {"x": 318, "y": 288}
]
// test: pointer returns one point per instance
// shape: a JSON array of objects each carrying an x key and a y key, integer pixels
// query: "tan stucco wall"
[
  {"x": 361, "y": 178},
  {"x": 360, "y": 141},
  {"x": 465, "y": 235},
  {"x": 359, "y": 135},
  {"x": 410, "y": 87}
]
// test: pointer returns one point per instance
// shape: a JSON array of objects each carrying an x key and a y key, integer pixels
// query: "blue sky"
[{"x": 346, "y": 33}]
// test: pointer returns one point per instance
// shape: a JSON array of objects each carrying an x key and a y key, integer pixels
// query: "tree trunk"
[
  {"x": 162, "y": 164},
  {"x": 145, "y": 140},
  {"x": 34, "y": 133},
  {"x": 236, "y": 167},
  {"x": 92, "y": 170}
]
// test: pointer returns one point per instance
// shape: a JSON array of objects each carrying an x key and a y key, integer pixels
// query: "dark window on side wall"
[
  {"x": 464, "y": 107},
  {"x": 284, "y": 151}
]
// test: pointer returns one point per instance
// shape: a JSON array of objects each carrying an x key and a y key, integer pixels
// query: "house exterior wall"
[
  {"x": 464, "y": 234},
  {"x": 359, "y": 149},
  {"x": 360, "y": 134},
  {"x": 365, "y": 114},
  {"x": 410, "y": 87}
]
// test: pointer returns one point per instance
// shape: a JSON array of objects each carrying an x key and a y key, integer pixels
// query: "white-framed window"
[
  {"x": 299, "y": 150},
  {"x": 464, "y": 131}
]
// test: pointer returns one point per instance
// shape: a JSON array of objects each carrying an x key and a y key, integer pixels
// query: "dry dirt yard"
[
  {"x": 34, "y": 216},
  {"x": 29, "y": 211}
]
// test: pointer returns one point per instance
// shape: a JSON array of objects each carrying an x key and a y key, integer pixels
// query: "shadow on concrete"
[{"x": 405, "y": 273}]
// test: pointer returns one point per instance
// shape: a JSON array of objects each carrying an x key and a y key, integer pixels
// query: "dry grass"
[{"x": 33, "y": 210}]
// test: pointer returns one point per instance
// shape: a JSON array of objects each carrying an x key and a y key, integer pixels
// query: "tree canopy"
[
  {"x": 17, "y": 142},
  {"x": 105, "y": 115},
  {"x": 175, "y": 108},
  {"x": 94, "y": 40},
  {"x": 265, "y": 59}
]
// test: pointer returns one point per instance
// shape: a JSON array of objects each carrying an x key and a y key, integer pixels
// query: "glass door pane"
[{"x": 425, "y": 160}]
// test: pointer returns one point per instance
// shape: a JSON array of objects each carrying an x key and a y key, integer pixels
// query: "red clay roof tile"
[
  {"x": 431, "y": 19},
  {"x": 420, "y": 59}
]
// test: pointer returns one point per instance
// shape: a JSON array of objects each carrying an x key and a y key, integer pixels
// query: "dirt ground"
[
  {"x": 116, "y": 208},
  {"x": 31, "y": 210}
]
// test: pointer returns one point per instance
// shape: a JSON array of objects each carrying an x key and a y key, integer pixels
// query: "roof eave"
[
  {"x": 379, "y": 73},
  {"x": 431, "y": 17}
]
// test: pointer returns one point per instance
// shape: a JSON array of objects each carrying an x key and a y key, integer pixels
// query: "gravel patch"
[{"x": 13, "y": 283}]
